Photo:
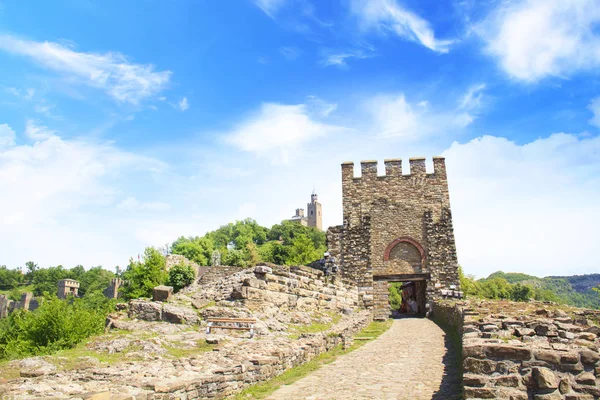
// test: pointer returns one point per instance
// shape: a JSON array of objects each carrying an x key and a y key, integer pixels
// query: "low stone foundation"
[
  {"x": 256, "y": 368},
  {"x": 526, "y": 350}
]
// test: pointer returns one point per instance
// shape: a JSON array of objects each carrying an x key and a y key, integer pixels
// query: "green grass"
[
  {"x": 71, "y": 359},
  {"x": 316, "y": 327},
  {"x": 264, "y": 389},
  {"x": 178, "y": 351},
  {"x": 20, "y": 289}
]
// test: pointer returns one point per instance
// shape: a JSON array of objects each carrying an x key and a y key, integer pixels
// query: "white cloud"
[
  {"x": 594, "y": 107},
  {"x": 37, "y": 132},
  {"x": 27, "y": 94},
  {"x": 473, "y": 98},
  {"x": 389, "y": 16},
  {"x": 533, "y": 39},
  {"x": 7, "y": 136},
  {"x": 131, "y": 203},
  {"x": 183, "y": 104},
  {"x": 338, "y": 58},
  {"x": 277, "y": 131},
  {"x": 270, "y": 7},
  {"x": 112, "y": 72},
  {"x": 393, "y": 116},
  {"x": 527, "y": 208},
  {"x": 56, "y": 193}
]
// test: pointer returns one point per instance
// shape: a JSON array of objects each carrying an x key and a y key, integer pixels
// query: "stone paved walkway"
[{"x": 412, "y": 360}]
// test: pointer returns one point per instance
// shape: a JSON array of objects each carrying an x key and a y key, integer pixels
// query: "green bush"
[
  {"x": 142, "y": 276},
  {"x": 180, "y": 276},
  {"x": 55, "y": 325}
]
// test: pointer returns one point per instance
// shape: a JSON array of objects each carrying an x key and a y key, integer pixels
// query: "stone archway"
[
  {"x": 404, "y": 256},
  {"x": 404, "y": 260}
]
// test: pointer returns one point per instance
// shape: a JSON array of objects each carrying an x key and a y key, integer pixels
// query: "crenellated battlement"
[{"x": 393, "y": 169}]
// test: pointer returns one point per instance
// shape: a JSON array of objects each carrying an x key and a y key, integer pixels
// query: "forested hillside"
[{"x": 577, "y": 290}]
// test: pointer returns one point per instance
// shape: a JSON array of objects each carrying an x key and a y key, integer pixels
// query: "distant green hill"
[{"x": 575, "y": 290}]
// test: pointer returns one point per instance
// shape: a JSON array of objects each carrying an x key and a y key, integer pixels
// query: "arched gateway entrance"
[{"x": 404, "y": 262}]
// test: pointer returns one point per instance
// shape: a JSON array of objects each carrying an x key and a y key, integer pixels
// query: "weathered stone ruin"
[
  {"x": 524, "y": 351},
  {"x": 67, "y": 287},
  {"x": 282, "y": 301},
  {"x": 397, "y": 228},
  {"x": 112, "y": 291}
]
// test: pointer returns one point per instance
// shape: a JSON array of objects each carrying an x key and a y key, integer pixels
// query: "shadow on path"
[{"x": 451, "y": 386}]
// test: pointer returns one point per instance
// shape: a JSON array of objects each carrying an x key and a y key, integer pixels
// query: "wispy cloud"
[
  {"x": 26, "y": 94},
  {"x": 7, "y": 136},
  {"x": 338, "y": 58},
  {"x": 534, "y": 39},
  {"x": 290, "y": 53},
  {"x": 37, "y": 132},
  {"x": 270, "y": 7},
  {"x": 183, "y": 104},
  {"x": 389, "y": 16},
  {"x": 113, "y": 72},
  {"x": 594, "y": 107}
]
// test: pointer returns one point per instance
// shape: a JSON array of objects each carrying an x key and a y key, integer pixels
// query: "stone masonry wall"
[
  {"x": 526, "y": 350},
  {"x": 381, "y": 212}
]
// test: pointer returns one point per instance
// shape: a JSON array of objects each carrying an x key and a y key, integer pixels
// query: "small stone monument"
[
  {"x": 162, "y": 293},
  {"x": 215, "y": 259}
]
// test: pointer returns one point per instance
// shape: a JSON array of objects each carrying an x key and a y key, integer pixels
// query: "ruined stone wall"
[
  {"x": 265, "y": 363},
  {"x": 214, "y": 273},
  {"x": 526, "y": 350},
  {"x": 298, "y": 288}
]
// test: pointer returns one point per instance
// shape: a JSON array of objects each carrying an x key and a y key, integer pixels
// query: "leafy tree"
[
  {"x": 142, "y": 277},
  {"x": 45, "y": 280},
  {"x": 234, "y": 258},
  {"x": 521, "y": 292},
  {"x": 496, "y": 288},
  {"x": 180, "y": 276},
  {"x": 303, "y": 251},
  {"x": 10, "y": 278},
  {"x": 252, "y": 255},
  {"x": 95, "y": 279},
  {"x": 395, "y": 295},
  {"x": 195, "y": 249}
]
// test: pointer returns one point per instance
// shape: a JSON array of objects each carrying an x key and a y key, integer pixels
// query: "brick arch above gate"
[{"x": 405, "y": 239}]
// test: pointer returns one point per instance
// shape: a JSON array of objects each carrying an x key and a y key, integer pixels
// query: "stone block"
[
  {"x": 262, "y": 270},
  {"x": 586, "y": 378},
  {"x": 480, "y": 393},
  {"x": 179, "y": 315},
  {"x": 589, "y": 357},
  {"x": 508, "y": 352},
  {"x": 475, "y": 380},
  {"x": 477, "y": 366},
  {"x": 162, "y": 293},
  {"x": 545, "y": 378},
  {"x": 548, "y": 356}
]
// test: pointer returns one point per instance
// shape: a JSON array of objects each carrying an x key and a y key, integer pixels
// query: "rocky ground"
[
  {"x": 158, "y": 350},
  {"x": 530, "y": 350}
]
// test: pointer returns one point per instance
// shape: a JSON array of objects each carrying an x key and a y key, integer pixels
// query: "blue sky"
[{"x": 128, "y": 124}]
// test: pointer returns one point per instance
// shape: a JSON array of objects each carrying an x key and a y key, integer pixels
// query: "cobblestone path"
[{"x": 412, "y": 360}]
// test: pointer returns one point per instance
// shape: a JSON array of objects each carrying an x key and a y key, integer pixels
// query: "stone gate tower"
[{"x": 397, "y": 228}]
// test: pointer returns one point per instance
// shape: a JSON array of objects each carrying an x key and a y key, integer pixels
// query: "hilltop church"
[{"x": 313, "y": 217}]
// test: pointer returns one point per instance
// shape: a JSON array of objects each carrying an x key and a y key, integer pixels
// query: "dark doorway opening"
[{"x": 407, "y": 298}]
